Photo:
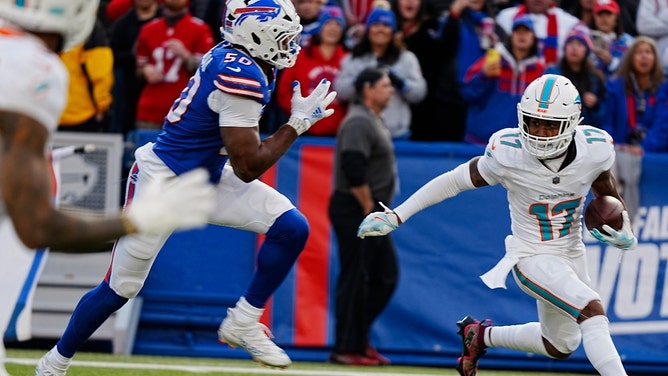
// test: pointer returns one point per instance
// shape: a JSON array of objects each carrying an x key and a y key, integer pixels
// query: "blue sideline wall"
[{"x": 442, "y": 251}]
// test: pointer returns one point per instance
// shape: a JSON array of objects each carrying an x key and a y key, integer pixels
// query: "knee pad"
[
  {"x": 133, "y": 257},
  {"x": 126, "y": 283}
]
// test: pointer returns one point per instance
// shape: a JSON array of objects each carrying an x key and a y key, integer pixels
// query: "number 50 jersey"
[{"x": 229, "y": 89}]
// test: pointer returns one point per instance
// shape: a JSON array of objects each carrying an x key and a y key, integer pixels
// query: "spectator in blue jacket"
[
  {"x": 494, "y": 84},
  {"x": 637, "y": 118}
]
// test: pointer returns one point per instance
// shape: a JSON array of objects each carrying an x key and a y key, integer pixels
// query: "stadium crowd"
[
  {"x": 486, "y": 54},
  {"x": 469, "y": 59}
]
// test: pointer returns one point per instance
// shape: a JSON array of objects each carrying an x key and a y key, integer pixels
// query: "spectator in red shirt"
[
  {"x": 320, "y": 59},
  {"x": 169, "y": 50}
]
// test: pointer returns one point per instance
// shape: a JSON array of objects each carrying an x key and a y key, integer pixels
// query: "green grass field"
[{"x": 22, "y": 363}]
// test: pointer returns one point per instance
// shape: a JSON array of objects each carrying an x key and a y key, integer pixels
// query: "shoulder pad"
[
  {"x": 594, "y": 143},
  {"x": 239, "y": 74},
  {"x": 505, "y": 146}
]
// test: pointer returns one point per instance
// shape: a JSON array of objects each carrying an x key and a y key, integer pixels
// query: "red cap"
[{"x": 606, "y": 5}]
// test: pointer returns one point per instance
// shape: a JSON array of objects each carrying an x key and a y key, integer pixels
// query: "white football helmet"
[
  {"x": 267, "y": 29},
  {"x": 73, "y": 19},
  {"x": 550, "y": 97}
]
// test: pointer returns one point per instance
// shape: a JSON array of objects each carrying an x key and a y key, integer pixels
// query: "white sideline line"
[{"x": 204, "y": 369}]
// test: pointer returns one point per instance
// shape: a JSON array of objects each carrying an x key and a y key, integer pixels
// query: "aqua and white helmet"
[
  {"x": 73, "y": 19},
  {"x": 550, "y": 97},
  {"x": 267, "y": 29}
]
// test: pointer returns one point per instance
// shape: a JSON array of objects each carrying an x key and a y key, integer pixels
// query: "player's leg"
[
  {"x": 566, "y": 300},
  {"x": 3, "y": 371},
  {"x": 259, "y": 208},
  {"x": 132, "y": 258},
  {"x": 597, "y": 342},
  {"x": 552, "y": 281}
]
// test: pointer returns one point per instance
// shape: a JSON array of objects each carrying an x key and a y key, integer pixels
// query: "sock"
[
  {"x": 282, "y": 245},
  {"x": 526, "y": 337},
  {"x": 57, "y": 361},
  {"x": 599, "y": 347},
  {"x": 244, "y": 313},
  {"x": 93, "y": 310}
]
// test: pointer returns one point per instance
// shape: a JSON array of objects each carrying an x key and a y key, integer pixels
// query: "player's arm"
[
  {"x": 26, "y": 188},
  {"x": 250, "y": 157},
  {"x": 605, "y": 184},
  {"x": 464, "y": 177}
]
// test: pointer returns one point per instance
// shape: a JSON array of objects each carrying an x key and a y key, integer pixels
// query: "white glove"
[
  {"x": 182, "y": 202},
  {"x": 622, "y": 239},
  {"x": 307, "y": 111},
  {"x": 378, "y": 223}
]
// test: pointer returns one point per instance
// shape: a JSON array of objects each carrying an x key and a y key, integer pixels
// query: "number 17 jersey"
[{"x": 546, "y": 206}]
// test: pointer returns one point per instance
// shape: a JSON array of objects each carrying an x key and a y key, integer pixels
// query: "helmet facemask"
[{"x": 551, "y": 98}]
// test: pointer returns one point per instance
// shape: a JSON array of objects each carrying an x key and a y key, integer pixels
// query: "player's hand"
[
  {"x": 623, "y": 239},
  {"x": 306, "y": 111},
  {"x": 378, "y": 223},
  {"x": 182, "y": 202}
]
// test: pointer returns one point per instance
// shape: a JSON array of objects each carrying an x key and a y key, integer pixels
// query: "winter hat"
[
  {"x": 606, "y": 6},
  {"x": 383, "y": 16},
  {"x": 581, "y": 33},
  {"x": 331, "y": 12}
]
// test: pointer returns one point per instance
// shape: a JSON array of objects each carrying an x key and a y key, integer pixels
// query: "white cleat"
[{"x": 254, "y": 338}]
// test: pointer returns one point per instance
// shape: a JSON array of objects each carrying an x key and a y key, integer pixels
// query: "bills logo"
[{"x": 263, "y": 14}]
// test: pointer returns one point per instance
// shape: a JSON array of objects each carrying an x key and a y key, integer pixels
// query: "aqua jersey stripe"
[
  {"x": 20, "y": 3},
  {"x": 545, "y": 93},
  {"x": 546, "y": 295}
]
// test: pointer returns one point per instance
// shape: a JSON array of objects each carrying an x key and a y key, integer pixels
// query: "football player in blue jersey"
[
  {"x": 214, "y": 124},
  {"x": 549, "y": 151}
]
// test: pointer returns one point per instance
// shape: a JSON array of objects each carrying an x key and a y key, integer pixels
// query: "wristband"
[{"x": 300, "y": 125}]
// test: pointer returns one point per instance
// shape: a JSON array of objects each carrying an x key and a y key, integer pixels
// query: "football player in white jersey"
[
  {"x": 547, "y": 166},
  {"x": 214, "y": 124},
  {"x": 32, "y": 96}
]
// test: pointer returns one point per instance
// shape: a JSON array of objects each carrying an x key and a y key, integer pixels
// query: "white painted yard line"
[{"x": 222, "y": 369}]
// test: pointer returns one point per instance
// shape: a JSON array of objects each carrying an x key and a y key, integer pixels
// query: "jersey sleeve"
[
  {"x": 239, "y": 75},
  {"x": 34, "y": 81},
  {"x": 598, "y": 145},
  {"x": 233, "y": 110},
  {"x": 491, "y": 164}
]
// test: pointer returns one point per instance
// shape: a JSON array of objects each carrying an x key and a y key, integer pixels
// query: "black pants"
[{"x": 368, "y": 275}]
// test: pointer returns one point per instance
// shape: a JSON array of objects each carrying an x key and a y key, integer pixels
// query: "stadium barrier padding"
[{"x": 442, "y": 251}]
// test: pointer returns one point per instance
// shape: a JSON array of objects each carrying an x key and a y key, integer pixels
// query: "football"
[{"x": 604, "y": 210}]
